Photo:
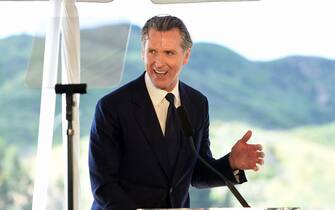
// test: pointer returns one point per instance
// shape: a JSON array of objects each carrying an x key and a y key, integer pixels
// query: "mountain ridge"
[{"x": 284, "y": 93}]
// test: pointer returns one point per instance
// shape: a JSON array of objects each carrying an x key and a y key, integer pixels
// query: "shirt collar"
[{"x": 157, "y": 95}]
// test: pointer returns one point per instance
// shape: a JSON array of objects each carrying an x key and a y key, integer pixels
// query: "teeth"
[{"x": 159, "y": 72}]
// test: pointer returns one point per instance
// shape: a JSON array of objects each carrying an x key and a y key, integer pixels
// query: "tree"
[{"x": 15, "y": 183}]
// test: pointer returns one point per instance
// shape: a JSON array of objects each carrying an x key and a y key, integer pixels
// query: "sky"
[{"x": 258, "y": 30}]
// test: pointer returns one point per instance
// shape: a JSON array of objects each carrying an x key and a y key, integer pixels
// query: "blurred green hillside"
[
  {"x": 280, "y": 94},
  {"x": 298, "y": 168}
]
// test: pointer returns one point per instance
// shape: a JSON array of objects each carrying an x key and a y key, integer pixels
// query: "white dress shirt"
[{"x": 159, "y": 102}]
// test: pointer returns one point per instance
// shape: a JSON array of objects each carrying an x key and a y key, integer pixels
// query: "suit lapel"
[{"x": 147, "y": 120}]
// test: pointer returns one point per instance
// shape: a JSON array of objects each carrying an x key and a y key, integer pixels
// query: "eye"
[
  {"x": 152, "y": 51},
  {"x": 170, "y": 52}
]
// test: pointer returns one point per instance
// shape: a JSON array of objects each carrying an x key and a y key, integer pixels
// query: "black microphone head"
[
  {"x": 184, "y": 121},
  {"x": 70, "y": 88}
]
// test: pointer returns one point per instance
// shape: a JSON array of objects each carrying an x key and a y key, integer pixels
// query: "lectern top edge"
[{"x": 276, "y": 208}]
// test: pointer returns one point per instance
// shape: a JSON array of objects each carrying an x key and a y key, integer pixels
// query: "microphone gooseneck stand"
[
  {"x": 188, "y": 131},
  {"x": 69, "y": 90}
]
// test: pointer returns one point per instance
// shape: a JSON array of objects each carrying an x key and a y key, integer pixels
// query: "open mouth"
[{"x": 160, "y": 72}]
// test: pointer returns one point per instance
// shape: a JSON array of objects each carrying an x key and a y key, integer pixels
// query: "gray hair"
[{"x": 166, "y": 23}]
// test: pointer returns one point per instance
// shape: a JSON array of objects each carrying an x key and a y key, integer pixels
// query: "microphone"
[
  {"x": 70, "y": 88},
  {"x": 188, "y": 132}
]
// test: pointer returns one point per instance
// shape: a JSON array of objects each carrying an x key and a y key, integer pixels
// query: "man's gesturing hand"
[{"x": 246, "y": 156}]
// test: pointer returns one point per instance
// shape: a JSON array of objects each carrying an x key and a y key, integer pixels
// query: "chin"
[{"x": 161, "y": 87}]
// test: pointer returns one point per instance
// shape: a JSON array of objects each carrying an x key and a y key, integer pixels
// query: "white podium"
[{"x": 273, "y": 208}]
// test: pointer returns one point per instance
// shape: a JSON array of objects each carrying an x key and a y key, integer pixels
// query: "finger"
[
  {"x": 256, "y": 147},
  {"x": 260, "y": 154},
  {"x": 246, "y": 136},
  {"x": 260, "y": 161}
]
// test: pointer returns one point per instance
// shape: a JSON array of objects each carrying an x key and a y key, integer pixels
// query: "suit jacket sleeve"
[
  {"x": 104, "y": 161},
  {"x": 202, "y": 176}
]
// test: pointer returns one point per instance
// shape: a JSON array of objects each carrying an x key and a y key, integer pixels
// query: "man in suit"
[{"x": 135, "y": 159}]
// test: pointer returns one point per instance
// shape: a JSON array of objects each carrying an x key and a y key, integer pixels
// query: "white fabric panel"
[
  {"x": 71, "y": 75},
  {"x": 47, "y": 111}
]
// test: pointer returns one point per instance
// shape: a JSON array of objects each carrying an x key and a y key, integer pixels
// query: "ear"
[{"x": 187, "y": 55}]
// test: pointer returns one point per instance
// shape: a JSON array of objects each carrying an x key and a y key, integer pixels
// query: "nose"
[{"x": 159, "y": 61}]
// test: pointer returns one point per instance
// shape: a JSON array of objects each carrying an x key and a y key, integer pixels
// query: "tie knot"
[{"x": 170, "y": 98}]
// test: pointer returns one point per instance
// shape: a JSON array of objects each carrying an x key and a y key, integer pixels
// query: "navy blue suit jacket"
[{"x": 127, "y": 168}]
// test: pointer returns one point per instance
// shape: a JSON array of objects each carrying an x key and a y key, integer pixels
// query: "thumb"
[{"x": 247, "y": 136}]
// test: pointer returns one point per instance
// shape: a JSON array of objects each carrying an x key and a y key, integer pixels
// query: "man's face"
[{"x": 164, "y": 58}]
